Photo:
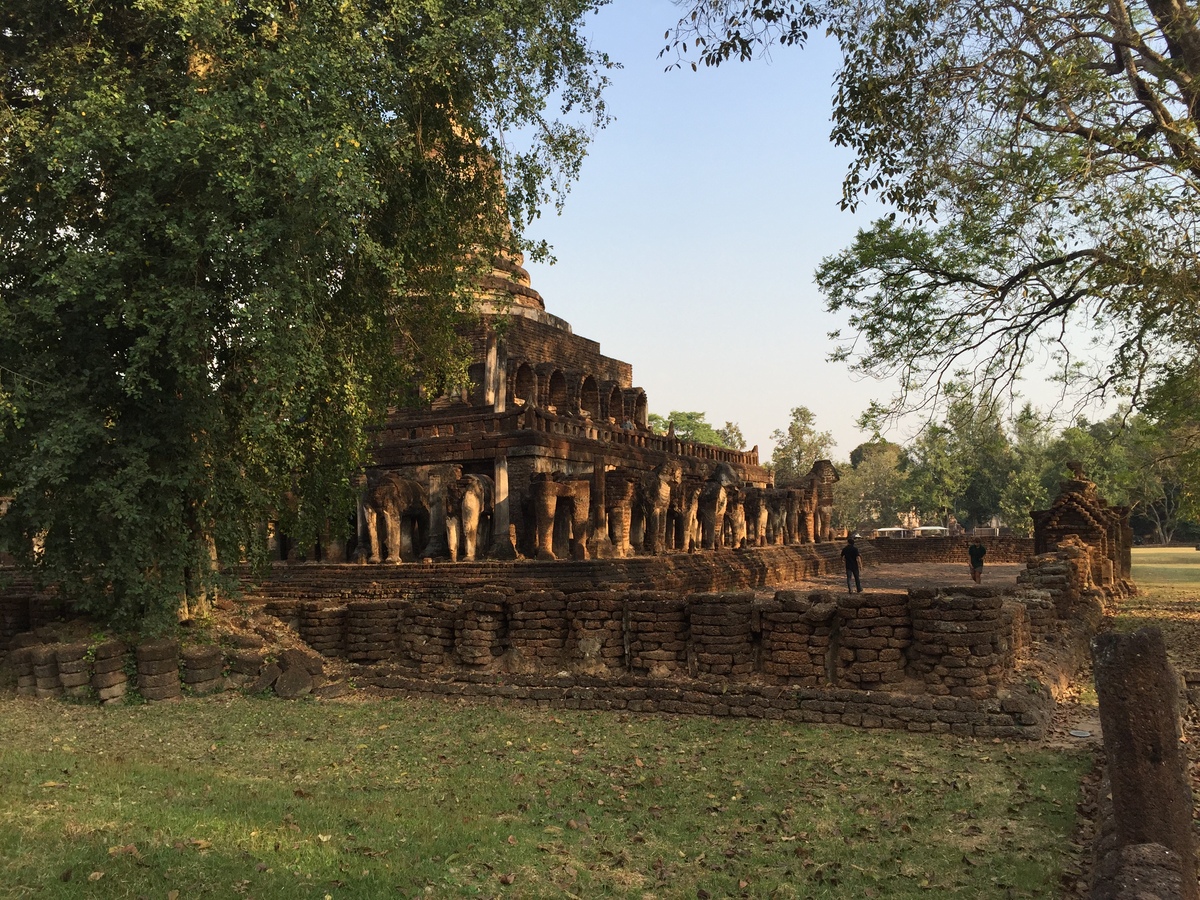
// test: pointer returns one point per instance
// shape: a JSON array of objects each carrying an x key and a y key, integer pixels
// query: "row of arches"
[{"x": 572, "y": 393}]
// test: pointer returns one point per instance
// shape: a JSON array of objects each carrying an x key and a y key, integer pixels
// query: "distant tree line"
[{"x": 979, "y": 466}]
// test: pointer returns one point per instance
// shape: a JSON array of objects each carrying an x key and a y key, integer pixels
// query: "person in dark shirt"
[
  {"x": 851, "y": 556},
  {"x": 976, "y": 551}
]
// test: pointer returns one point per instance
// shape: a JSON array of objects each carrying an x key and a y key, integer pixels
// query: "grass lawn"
[
  {"x": 1169, "y": 583},
  {"x": 240, "y": 796}
]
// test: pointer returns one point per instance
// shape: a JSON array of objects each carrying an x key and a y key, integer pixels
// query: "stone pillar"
[
  {"x": 502, "y": 545},
  {"x": 601, "y": 544},
  {"x": 1139, "y": 714},
  {"x": 501, "y": 403},
  {"x": 365, "y": 542},
  {"x": 489, "y": 372}
]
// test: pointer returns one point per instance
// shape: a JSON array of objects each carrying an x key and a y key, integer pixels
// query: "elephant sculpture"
[
  {"x": 469, "y": 503},
  {"x": 560, "y": 500},
  {"x": 620, "y": 495},
  {"x": 823, "y": 476},
  {"x": 735, "y": 517},
  {"x": 713, "y": 502},
  {"x": 776, "y": 501},
  {"x": 655, "y": 501},
  {"x": 756, "y": 513},
  {"x": 404, "y": 506},
  {"x": 683, "y": 515}
]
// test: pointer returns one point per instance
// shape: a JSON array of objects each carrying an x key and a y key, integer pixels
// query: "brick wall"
[
  {"x": 957, "y": 644},
  {"x": 717, "y": 570},
  {"x": 950, "y": 549}
]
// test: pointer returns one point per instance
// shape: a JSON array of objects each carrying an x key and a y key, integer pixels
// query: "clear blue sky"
[{"x": 688, "y": 245}]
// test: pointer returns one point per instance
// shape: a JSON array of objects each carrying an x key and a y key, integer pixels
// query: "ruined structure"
[
  {"x": 1079, "y": 510},
  {"x": 546, "y": 454}
]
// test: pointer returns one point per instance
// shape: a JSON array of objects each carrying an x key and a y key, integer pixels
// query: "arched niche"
[
  {"x": 557, "y": 392},
  {"x": 589, "y": 398},
  {"x": 636, "y": 407},
  {"x": 524, "y": 385},
  {"x": 614, "y": 404}
]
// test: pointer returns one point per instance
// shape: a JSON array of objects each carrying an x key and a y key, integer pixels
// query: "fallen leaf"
[
  {"x": 507, "y": 878},
  {"x": 512, "y": 840},
  {"x": 95, "y": 876}
]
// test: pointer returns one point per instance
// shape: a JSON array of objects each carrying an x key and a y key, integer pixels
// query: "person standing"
[
  {"x": 977, "y": 551},
  {"x": 850, "y": 556}
]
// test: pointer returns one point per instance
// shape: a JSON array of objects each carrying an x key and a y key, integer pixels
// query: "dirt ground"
[{"x": 896, "y": 577}]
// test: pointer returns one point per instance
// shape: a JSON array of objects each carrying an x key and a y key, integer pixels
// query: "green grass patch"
[
  {"x": 1168, "y": 598},
  {"x": 236, "y": 796},
  {"x": 1155, "y": 567}
]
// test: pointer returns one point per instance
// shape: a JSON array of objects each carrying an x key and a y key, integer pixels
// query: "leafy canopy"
[
  {"x": 233, "y": 232},
  {"x": 695, "y": 427},
  {"x": 1043, "y": 162},
  {"x": 798, "y": 446}
]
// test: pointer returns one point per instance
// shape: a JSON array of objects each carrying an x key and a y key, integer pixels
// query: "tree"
[
  {"x": 1042, "y": 162},
  {"x": 933, "y": 477},
  {"x": 732, "y": 437},
  {"x": 1024, "y": 489},
  {"x": 797, "y": 448},
  {"x": 871, "y": 492},
  {"x": 233, "y": 233},
  {"x": 980, "y": 450},
  {"x": 694, "y": 427}
]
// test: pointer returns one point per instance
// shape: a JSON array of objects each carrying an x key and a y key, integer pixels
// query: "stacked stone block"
[
  {"x": 74, "y": 669},
  {"x": 286, "y": 611},
  {"x": 874, "y": 634},
  {"x": 538, "y": 629},
  {"x": 21, "y": 661},
  {"x": 596, "y": 637},
  {"x": 45, "y": 671},
  {"x": 109, "y": 679},
  {"x": 657, "y": 632},
  {"x": 158, "y": 670},
  {"x": 795, "y": 637},
  {"x": 324, "y": 627},
  {"x": 427, "y": 632},
  {"x": 244, "y": 659},
  {"x": 482, "y": 627},
  {"x": 371, "y": 631},
  {"x": 203, "y": 668},
  {"x": 1040, "y": 614},
  {"x": 959, "y": 642},
  {"x": 1015, "y": 637},
  {"x": 722, "y": 644}
]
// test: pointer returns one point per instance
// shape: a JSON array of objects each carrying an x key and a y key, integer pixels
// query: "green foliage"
[
  {"x": 732, "y": 437},
  {"x": 419, "y": 798},
  {"x": 798, "y": 447},
  {"x": 872, "y": 492},
  {"x": 1043, "y": 163},
  {"x": 233, "y": 234},
  {"x": 1024, "y": 489},
  {"x": 694, "y": 427}
]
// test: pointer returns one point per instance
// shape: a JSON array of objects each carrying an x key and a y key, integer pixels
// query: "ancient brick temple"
[
  {"x": 1080, "y": 510},
  {"x": 547, "y": 454}
]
